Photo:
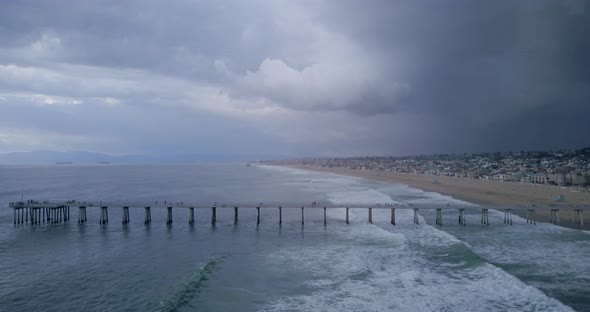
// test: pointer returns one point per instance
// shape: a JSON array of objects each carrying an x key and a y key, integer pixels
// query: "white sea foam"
[
  {"x": 365, "y": 277},
  {"x": 430, "y": 197},
  {"x": 361, "y": 197},
  {"x": 282, "y": 169}
]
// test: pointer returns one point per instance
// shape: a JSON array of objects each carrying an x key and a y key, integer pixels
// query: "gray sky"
[{"x": 294, "y": 78}]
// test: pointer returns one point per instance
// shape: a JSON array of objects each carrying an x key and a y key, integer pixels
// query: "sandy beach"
[{"x": 483, "y": 192}]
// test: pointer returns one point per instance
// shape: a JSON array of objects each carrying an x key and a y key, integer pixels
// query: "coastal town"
[{"x": 564, "y": 167}]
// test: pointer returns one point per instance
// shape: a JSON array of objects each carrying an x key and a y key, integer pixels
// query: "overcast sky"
[{"x": 294, "y": 78}]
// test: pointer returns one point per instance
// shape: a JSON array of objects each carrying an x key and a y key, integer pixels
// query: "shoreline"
[{"x": 483, "y": 192}]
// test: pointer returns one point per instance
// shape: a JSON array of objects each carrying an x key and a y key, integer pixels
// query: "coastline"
[{"x": 483, "y": 192}]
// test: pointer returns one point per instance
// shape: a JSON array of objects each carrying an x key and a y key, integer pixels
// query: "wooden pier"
[{"x": 54, "y": 212}]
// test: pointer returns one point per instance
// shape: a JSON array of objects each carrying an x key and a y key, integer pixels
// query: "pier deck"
[{"x": 57, "y": 211}]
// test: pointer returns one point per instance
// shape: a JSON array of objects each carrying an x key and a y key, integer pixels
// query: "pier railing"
[{"x": 58, "y": 211}]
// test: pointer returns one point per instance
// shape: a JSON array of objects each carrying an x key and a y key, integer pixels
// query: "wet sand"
[{"x": 484, "y": 192}]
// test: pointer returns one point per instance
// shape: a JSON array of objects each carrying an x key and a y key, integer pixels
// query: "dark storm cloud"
[
  {"x": 347, "y": 76},
  {"x": 496, "y": 74}
]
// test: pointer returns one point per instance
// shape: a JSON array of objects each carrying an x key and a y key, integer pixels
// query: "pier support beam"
[
  {"x": 148, "y": 216},
  {"x": 169, "y": 216},
  {"x": 530, "y": 217},
  {"x": 484, "y": 217},
  {"x": 302, "y": 217},
  {"x": 280, "y": 215},
  {"x": 104, "y": 215},
  {"x": 191, "y": 215},
  {"x": 213, "y": 215},
  {"x": 508, "y": 216},
  {"x": 579, "y": 217},
  {"x": 347, "y": 221},
  {"x": 416, "y": 218},
  {"x": 554, "y": 219},
  {"x": 235, "y": 215},
  {"x": 439, "y": 216},
  {"x": 257, "y": 216},
  {"x": 80, "y": 215},
  {"x": 125, "y": 215},
  {"x": 392, "y": 216},
  {"x": 461, "y": 216},
  {"x": 371, "y": 215},
  {"x": 325, "y": 217}
]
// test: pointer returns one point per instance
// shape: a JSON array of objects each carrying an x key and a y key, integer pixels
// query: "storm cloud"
[{"x": 294, "y": 78}]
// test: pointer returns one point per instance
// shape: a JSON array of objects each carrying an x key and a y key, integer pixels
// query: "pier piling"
[
  {"x": 302, "y": 217},
  {"x": 484, "y": 217},
  {"x": 148, "y": 215},
  {"x": 80, "y": 214},
  {"x": 371, "y": 215},
  {"x": 578, "y": 217},
  {"x": 257, "y": 216},
  {"x": 439, "y": 216},
  {"x": 325, "y": 217},
  {"x": 530, "y": 218},
  {"x": 347, "y": 215},
  {"x": 191, "y": 215},
  {"x": 416, "y": 218},
  {"x": 280, "y": 215},
  {"x": 393, "y": 216},
  {"x": 213, "y": 215},
  {"x": 104, "y": 215},
  {"x": 554, "y": 219},
  {"x": 508, "y": 216},
  {"x": 169, "y": 216},
  {"x": 235, "y": 215},
  {"x": 462, "y": 217},
  {"x": 125, "y": 215}
]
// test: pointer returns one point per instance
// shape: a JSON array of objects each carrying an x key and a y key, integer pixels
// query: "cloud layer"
[{"x": 294, "y": 78}]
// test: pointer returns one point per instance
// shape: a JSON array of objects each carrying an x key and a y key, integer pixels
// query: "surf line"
[{"x": 193, "y": 287}]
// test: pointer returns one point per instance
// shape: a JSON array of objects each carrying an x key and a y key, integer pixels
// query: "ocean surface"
[{"x": 339, "y": 267}]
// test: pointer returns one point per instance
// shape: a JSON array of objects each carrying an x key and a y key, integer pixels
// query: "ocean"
[{"x": 338, "y": 267}]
